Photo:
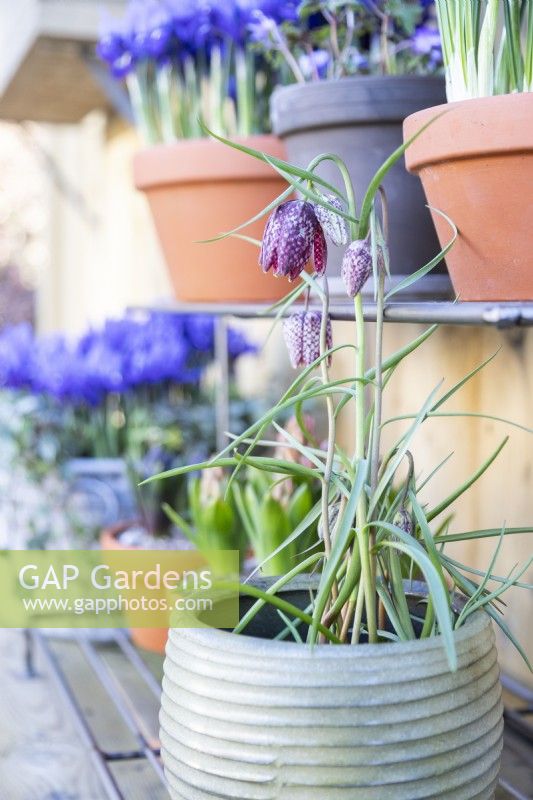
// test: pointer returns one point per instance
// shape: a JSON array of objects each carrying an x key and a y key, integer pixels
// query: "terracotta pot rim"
[
  {"x": 467, "y": 129},
  {"x": 109, "y": 535},
  {"x": 204, "y": 161}
]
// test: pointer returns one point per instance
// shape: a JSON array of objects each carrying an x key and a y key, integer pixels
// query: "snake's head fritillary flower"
[
  {"x": 357, "y": 265},
  {"x": 334, "y": 225},
  {"x": 302, "y": 333},
  {"x": 293, "y": 238},
  {"x": 403, "y": 521}
]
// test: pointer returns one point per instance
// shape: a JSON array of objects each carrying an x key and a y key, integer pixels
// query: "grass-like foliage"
[
  {"x": 487, "y": 46},
  {"x": 376, "y": 532}
]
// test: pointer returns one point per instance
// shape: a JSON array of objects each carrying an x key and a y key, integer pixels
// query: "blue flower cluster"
[
  {"x": 135, "y": 351},
  {"x": 159, "y": 30},
  {"x": 412, "y": 41}
]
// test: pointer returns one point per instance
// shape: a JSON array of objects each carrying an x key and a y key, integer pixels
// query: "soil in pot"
[
  {"x": 243, "y": 717},
  {"x": 476, "y": 165},
  {"x": 198, "y": 189},
  {"x": 360, "y": 119}
]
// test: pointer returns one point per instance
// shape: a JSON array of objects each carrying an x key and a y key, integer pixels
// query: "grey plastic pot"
[
  {"x": 360, "y": 119},
  {"x": 251, "y": 719},
  {"x": 99, "y": 491}
]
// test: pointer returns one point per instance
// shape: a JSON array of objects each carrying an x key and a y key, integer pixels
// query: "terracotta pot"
[
  {"x": 200, "y": 188},
  {"x": 476, "y": 165},
  {"x": 153, "y": 639}
]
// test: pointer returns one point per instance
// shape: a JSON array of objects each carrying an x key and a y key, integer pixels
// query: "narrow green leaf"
[
  {"x": 400, "y": 600},
  {"x": 391, "y": 612},
  {"x": 313, "y": 197},
  {"x": 341, "y": 541},
  {"x": 470, "y": 605},
  {"x": 299, "y": 172},
  {"x": 291, "y": 626},
  {"x": 467, "y": 484},
  {"x": 278, "y": 602},
  {"x": 244, "y": 513},
  {"x": 401, "y": 450},
  {"x": 438, "y": 594},
  {"x": 433, "y": 473},
  {"x": 463, "y": 584},
  {"x": 276, "y": 586},
  {"x": 512, "y": 579},
  {"x": 464, "y": 380},
  {"x": 248, "y": 239},
  {"x": 485, "y": 533},
  {"x": 420, "y": 273},
  {"x": 466, "y": 414},
  {"x": 480, "y": 573},
  {"x": 377, "y": 180},
  {"x": 428, "y": 539},
  {"x": 267, "y": 210},
  {"x": 179, "y": 522},
  {"x": 300, "y": 529}
]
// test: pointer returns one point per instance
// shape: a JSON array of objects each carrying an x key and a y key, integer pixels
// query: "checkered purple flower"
[
  {"x": 357, "y": 265},
  {"x": 293, "y": 238},
  {"x": 302, "y": 336},
  {"x": 333, "y": 225}
]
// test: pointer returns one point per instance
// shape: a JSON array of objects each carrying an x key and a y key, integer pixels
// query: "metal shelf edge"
[{"x": 499, "y": 315}]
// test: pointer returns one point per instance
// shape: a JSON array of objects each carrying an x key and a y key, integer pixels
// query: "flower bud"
[
  {"x": 302, "y": 332},
  {"x": 357, "y": 265},
  {"x": 333, "y": 515},
  {"x": 334, "y": 226},
  {"x": 402, "y": 520}
]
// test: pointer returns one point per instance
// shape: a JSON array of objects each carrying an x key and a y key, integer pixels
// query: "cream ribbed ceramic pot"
[{"x": 252, "y": 719}]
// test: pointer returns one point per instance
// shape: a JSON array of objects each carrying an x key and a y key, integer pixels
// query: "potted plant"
[
  {"x": 254, "y": 514},
  {"x": 476, "y": 162},
  {"x": 86, "y": 419},
  {"x": 354, "y": 71},
  {"x": 380, "y": 679},
  {"x": 183, "y": 62}
]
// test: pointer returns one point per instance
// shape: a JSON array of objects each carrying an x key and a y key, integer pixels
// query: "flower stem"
[
  {"x": 356, "y": 629},
  {"x": 328, "y": 469},
  {"x": 363, "y": 536}
]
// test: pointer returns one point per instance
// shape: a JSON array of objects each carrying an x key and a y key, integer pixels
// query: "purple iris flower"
[
  {"x": 426, "y": 41},
  {"x": 114, "y": 47},
  {"x": 315, "y": 64},
  {"x": 137, "y": 350},
  {"x": 16, "y": 356}
]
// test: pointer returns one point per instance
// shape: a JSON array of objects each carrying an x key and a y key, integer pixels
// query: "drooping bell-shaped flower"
[
  {"x": 302, "y": 332},
  {"x": 357, "y": 265},
  {"x": 333, "y": 225},
  {"x": 293, "y": 238}
]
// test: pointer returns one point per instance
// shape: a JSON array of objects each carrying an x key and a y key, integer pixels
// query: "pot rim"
[
  {"x": 363, "y": 80},
  {"x": 204, "y": 161},
  {"x": 467, "y": 129},
  {"x": 109, "y": 535},
  {"x": 226, "y": 641},
  {"x": 357, "y": 100}
]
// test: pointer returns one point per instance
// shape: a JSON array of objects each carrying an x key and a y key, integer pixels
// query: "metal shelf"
[{"x": 498, "y": 315}]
